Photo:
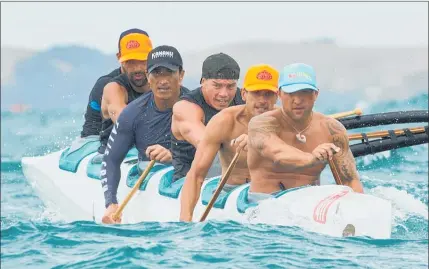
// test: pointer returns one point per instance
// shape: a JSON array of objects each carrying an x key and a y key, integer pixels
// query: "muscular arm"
[
  {"x": 113, "y": 101},
  {"x": 344, "y": 160},
  {"x": 120, "y": 141},
  {"x": 187, "y": 119},
  {"x": 263, "y": 138},
  {"x": 209, "y": 145}
]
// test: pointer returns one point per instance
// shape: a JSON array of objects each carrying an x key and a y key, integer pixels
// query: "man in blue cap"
[{"x": 290, "y": 146}]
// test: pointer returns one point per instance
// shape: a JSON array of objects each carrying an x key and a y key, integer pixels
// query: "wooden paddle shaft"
[
  {"x": 335, "y": 172},
  {"x": 385, "y": 133},
  {"x": 221, "y": 184},
  {"x": 356, "y": 111},
  {"x": 118, "y": 212}
]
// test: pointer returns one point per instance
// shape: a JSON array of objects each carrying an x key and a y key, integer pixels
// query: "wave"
[
  {"x": 85, "y": 244},
  {"x": 397, "y": 159}
]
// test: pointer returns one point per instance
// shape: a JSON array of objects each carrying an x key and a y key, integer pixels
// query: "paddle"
[
  {"x": 118, "y": 212},
  {"x": 221, "y": 184},
  {"x": 376, "y": 134},
  {"x": 356, "y": 111},
  {"x": 335, "y": 172}
]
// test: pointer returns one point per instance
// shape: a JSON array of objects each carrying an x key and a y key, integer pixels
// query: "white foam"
[
  {"x": 368, "y": 159},
  {"x": 404, "y": 204},
  {"x": 364, "y": 105},
  {"x": 50, "y": 213}
]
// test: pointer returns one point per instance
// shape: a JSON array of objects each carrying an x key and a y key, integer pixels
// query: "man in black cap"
[
  {"x": 145, "y": 122},
  {"x": 218, "y": 90}
]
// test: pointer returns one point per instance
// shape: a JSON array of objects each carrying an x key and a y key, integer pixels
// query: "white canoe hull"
[{"x": 326, "y": 209}]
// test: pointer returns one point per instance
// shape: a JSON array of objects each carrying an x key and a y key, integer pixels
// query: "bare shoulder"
[
  {"x": 266, "y": 122},
  {"x": 113, "y": 90},
  {"x": 186, "y": 111},
  {"x": 338, "y": 133},
  {"x": 334, "y": 126},
  {"x": 112, "y": 87},
  {"x": 227, "y": 116},
  {"x": 186, "y": 106},
  {"x": 262, "y": 128}
]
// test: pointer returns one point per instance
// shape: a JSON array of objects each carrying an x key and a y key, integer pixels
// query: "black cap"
[
  {"x": 220, "y": 66},
  {"x": 165, "y": 56}
]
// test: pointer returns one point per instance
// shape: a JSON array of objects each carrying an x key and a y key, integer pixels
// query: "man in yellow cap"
[
  {"x": 134, "y": 47},
  {"x": 113, "y": 91},
  {"x": 226, "y": 132}
]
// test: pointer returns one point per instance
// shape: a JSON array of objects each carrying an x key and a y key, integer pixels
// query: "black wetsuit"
[
  {"x": 184, "y": 152},
  {"x": 140, "y": 124},
  {"x": 107, "y": 124},
  {"x": 92, "y": 124}
]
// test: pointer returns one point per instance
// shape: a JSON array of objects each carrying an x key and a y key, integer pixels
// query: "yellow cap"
[
  {"x": 135, "y": 46},
  {"x": 261, "y": 77}
]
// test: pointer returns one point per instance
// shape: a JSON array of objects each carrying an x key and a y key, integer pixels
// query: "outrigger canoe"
[{"x": 69, "y": 182}]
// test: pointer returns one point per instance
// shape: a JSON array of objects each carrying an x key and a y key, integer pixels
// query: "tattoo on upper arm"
[
  {"x": 344, "y": 160},
  {"x": 260, "y": 129}
]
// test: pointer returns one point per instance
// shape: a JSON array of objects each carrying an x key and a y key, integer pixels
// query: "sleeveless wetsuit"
[
  {"x": 140, "y": 124},
  {"x": 184, "y": 152},
  {"x": 107, "y": 124},
  {"x": 92, "y": 124}
]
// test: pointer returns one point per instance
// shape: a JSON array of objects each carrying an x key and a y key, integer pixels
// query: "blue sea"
[{"x": 32, "y": 236}]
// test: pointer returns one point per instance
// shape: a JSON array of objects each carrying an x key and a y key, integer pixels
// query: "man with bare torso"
[
  {"x": 226, "y": 132},
  {"x": 289, "y": 147}
]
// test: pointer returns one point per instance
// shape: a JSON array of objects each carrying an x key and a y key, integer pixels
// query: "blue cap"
[{"x": 296, "y": 77}]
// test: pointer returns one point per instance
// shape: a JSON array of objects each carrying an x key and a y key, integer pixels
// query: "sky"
[{"x": 196, "y": 26}]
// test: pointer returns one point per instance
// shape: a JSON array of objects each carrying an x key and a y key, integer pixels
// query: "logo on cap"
[
  {"x": 132, "y": 44},
  {"x": 264, "y": 75},
  {"x": 299, "y": 74},
  {"x": 163, "y": 53}
]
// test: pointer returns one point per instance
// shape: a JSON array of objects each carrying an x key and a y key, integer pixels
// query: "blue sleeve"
[
  {"x": 97, "y": 93},
  {"x": 121, "y": 139}
]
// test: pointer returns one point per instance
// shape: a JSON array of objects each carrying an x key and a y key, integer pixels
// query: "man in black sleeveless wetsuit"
[
  {"x": 218, "y": 90},
  {"x": 92, "y": 125},
  {"x": 132, "y": 83},
  {"x": 145, "y": 123}
]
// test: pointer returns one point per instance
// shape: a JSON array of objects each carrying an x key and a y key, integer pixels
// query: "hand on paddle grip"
[
  {"x": 108, "y": 215},
  {"x": 324, "y": 152},
  {"x": 240, "y": 143},
  {"x": 159, "y": 154}
]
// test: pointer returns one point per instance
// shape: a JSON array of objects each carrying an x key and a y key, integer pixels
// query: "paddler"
[
  {"x": 289, "y": 147},
  {"x": 145, "y": 123},
  {"x": 226, "y": 132},
  {"x": 92, "y": 125},
  {"x": 218, "y": 90},
  {"x": 134, "y": 47}
]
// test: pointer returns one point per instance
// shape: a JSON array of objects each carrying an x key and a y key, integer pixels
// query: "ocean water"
[{"x": 33, "y": 237}]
